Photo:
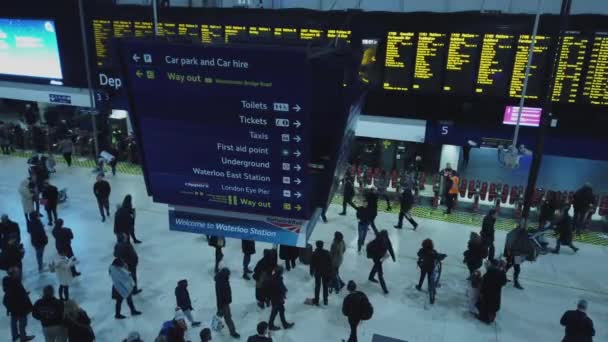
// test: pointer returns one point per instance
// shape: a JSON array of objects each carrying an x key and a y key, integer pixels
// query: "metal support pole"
[
  {"x": 546, "y": 113},
  {"x": 527, "y": 73},
  {"x": 155, "y": 16},
  {"x": 88, "y": 72}
]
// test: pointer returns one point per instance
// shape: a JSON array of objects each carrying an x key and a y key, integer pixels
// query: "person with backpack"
[
  {"x": 124, "y": 251},
  {"x": 487, "y": 233},
  {"x": 77, "y": 323},
  {"x": 102, "y": 191},
  {"x": 50, "y": 199},
  {"x": 277, "y": 292},
  {"x": 223, "y": 295},
  {"x": 377, "y": 250},
  {"x": 124, "y": 219},
  {"x": 17, "y": 303},
  {"x": 63, "y": 242},
  {"x": 348, "y": 192},
  {"x": 248, "y": 248},
  {"x": 122, "y": 287},
  {"x": 63, "y": 268},
  {"x": 182, "y": 296},
  {"x": 406, "y": 201},
  {"x": 321, "y": 269},
  {"x": 263, "y": 334},
  {"x": 50, "y": 311},
  {"x": 217, "y": 242},
  {"x": 356, "y": 307},
  {"x": 175, "y": 329},
  {"x": 337, "y": 250},
  {"x": 38, "y": 238}
]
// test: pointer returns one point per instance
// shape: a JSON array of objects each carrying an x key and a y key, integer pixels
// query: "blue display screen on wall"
[{"x": 29, "y": 48}]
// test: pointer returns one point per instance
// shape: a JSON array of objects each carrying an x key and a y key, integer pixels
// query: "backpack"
[
  {"x": 365, "y": 308},
  {"x": 372, "y": 248},
  {"x": 167, "y": 326}
]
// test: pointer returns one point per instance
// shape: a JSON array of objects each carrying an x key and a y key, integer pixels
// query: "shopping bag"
[{"x": 217, "y": 324}]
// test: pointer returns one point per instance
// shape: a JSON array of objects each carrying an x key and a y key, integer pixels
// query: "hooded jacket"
[{"x": 182, "y": 295}]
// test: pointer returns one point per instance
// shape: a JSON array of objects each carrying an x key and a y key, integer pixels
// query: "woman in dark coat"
[
  {"x": 124, "y": 220},
  {"x": 38, "y": 238},
  {"x": 17, "y": 303},
  {"x": 290, "y": 255},
  {"x": 491, "y": 292},
  {"x": 474, "y": 254},
  {"x": 261, "y": 274},
  {"x": 564, "y": 228}
]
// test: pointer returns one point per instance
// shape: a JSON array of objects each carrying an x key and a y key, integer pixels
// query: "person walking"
[
  {"x": 337, "y": 250},
  {"x": 217, "y": 242},
  {"x": 290, "y": 255},
  {"x": 102, "y": 191},
  {"x": 66, "y": 148},
  {"x": 50, "y": 312},
  {"x": 262, "y": 274},
  {"x": 490, "y": 292},
  {"x": 564, "y": 229},
  {"x": 348, "y": 192},
  {"x": 406, "y": 202},
  {"x": 321, "y": 269},
  {"x": 263, "y": 334},
  {"x": 182, "y": 296},
  {"x": 38, "y": 238},
  {"x": 583, "y": 201},
  {"x": 122, "y": 287},
  {"x": 427, "y": 256},
  {"x": 124, "y": 251},
  {"x": 124, "y": 219},
  {"x": 277, "y": 293},
  {"x": 9, "y": 230},
  {"x": 63, "y": 268},
  {"x": 356, "y": 307},
  {"x": 63, "y": 242},
  {"x": 377, "y": 250},
  {"x": 77, "y": 323},
  {"x": 371, "y": 198},
  {"x": 223, "y": 295},
  {"x": 364, "y": 215},
  {"x": 382, "y": 184},
  {"x": 50, "y": 199},
  {"x": 547, "y": 210},
  {"x": 475, "y": 253},
  {"x": 515, "y": 253},
  {"x": 579, "y": 327},
  {"x": 487, "y": 232},
  {"x": 17, "y": 303},
  {"x": 248, "y": 248}
]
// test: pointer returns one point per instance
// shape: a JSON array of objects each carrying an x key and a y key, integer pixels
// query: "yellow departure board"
[
  {"x": 430, "y": 61},
  {"x": 399, "y": 61},
  {"x": 539, "y": 63},
  {"x": 339, "y": 34},
  {"x": 311, "y": 34},
  {"x": 286, "y": 33},
  {"x": 595, "y": 90},
  {"x": 570, "y": 67},
  {"x": 167, "y": 29},
  {"x": 463, "y": 53},
  {"x": 122, "y": 28},
  {"x": 102, "y": 32},
  {"x": 235, "y": 33},
  {"x": 188, "y": 30},
  {"x": 495, "y": 62},
  {"x": 212, "y": 34},
  {"x": 143, "y": 28},
  {"x": 258, "y": 33}
]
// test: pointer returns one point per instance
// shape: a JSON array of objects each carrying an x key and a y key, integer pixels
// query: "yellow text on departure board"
[
  {"x": 569, "y": 68},
  {"x": 595, "y": 90},
  {"x": 518, "y": 75}
]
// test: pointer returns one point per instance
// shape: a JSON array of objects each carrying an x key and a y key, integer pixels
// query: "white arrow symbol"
[
  {"x": 298, "y": 194},
  {"x": 297, "y": 108},
  {"x": 297, "y": 153},
  {"x": 136, "y": 58},
  {"x": 297, "y": 167},
  {"x": 297, "y": 138},
  {"x": 297, "y": 124},
  {"x": 297, "y": 181}
]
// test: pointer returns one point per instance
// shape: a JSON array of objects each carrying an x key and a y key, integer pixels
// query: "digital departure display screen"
[
  {"x": 460, "y": 71},
  {"x": 530, "y": 116},
  {"x": 235, "y": 34},
  {"x": 29, "y": 48},
  {"x": 286, "y": 33},
  {"x": 260, "y": 34},
  {"x": 539, "y": 63},
  {"x": 399, "y": 63},
  {"x": 143, "y": 28},
  {"x": 212, "y": 34},
  {"x": 495, "y": 64},
  {"x": 430, "y": 62},
  {"x": 571, "y": 62},
  {"x": 595, "y": 90}
]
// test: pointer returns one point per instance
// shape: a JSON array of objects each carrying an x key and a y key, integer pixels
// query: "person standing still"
[
  {"x": 487, "y": 233},
  {"x": 277, "y": 293},
  {"x": 50, "y": 198},
  {"x": 336, "y": 251},
  {"x": 348, "y": 193},
  {"x": 579, "y": 327},
  {"x": 124, "y": 219},
  {"x": 49, "y": 311},
  {"x": 63, "y": 242},
  {"x": 17, "y": 303},
  {"x": 321, "y": 269},
  {"x": 66, "y": 147},
  {"x": 62, "y": 267},
  {"x": 223, "y": 295},
  {"x": 583, "y": 202},
  {"x": 102, "y": 191},
  {"x": 38, "y": 238},
  {"x": 452, "y": 192},
  {"x": 248, "y": 248}
]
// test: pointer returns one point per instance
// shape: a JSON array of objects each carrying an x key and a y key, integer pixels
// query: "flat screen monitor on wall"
[
  {"x": 530, "y": 116},
  {"x": 28, "y": 48}
]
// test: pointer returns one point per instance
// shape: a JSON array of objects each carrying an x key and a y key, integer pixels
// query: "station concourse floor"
[{"x": 552, "y": 284}]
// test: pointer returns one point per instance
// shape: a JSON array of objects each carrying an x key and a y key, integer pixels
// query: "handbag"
[{"x": 216, "y": 324}]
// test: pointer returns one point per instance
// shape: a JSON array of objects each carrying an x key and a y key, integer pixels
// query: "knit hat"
[{"x": 133, "y": 337}]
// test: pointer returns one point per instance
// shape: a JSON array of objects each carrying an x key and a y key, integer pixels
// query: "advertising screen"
[
  {"x": 29, "y": 48},
  {"x": 530, "y": 116}
]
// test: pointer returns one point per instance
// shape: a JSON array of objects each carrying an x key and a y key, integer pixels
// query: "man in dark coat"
[
  {"x": 102, "y": 191},
  {"x": 487, "y": 233},
  {"x": 223, "y": 295},
  {"x": 582, "y": 202},
  {"x": 63, "y": 241},
  {"x": 372, "y": 205},
  {"x": 50, "y": 196},
  {"x": 49, "y": 311},
  {"x": 8, "y": 230},
  {"x": 564, "y": 228},
  {"x": 579, "y": 327},
  {"x": 261, "y": 274},
  {"x": 321, "y": 269},
  {"x": 290, "y": 255},
  {"x": 348, "y": 192},
  {"x": 12, "y": 256},
  {"x": 474, "y": 254},
  {"x": 17, "y": 303},
  {"x": 376, "y": 250},
  {"x": 406, "y": 201},
  {"x": 490, "y": 292},
  {"x": 38, "y": 238},
  {"x": 277, "y": 293},
  {"x": 182, "y": 297},
  {"x": 124, "y": 251},
  {"x": 248, "y": 247},
  {"x": 351, "y": 308},
  {"x": 263, "y": 334}
]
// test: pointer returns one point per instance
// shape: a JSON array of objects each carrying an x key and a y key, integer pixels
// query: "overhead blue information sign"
[{"x": 223, "y": 127}]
